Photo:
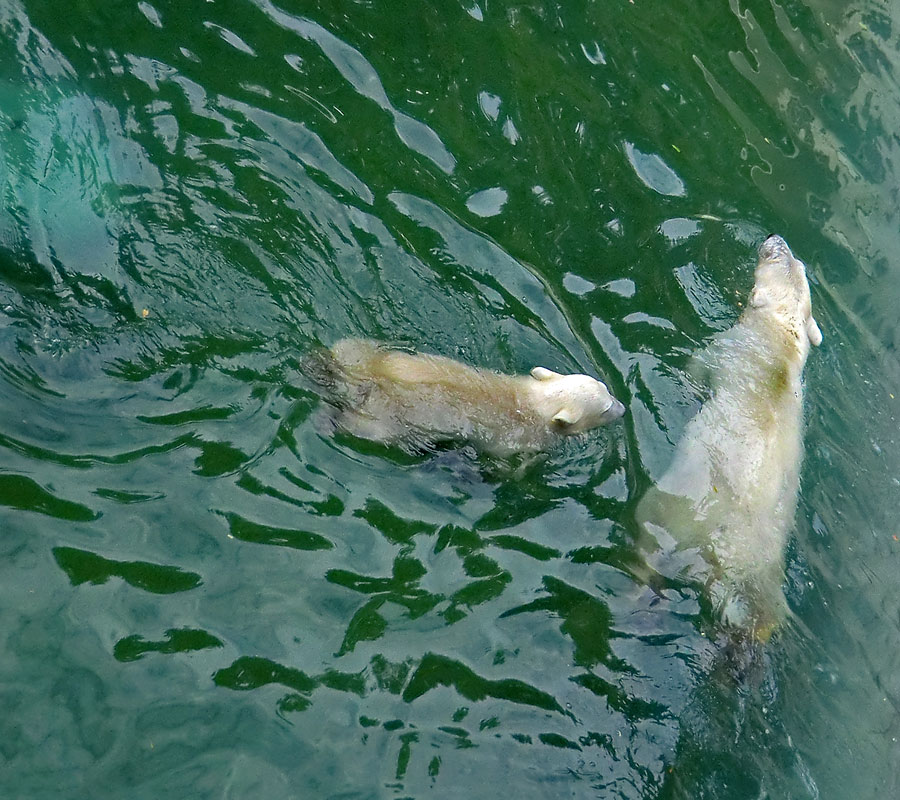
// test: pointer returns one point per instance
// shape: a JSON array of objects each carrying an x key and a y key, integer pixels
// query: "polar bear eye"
[{"x": 759, "y": 297}]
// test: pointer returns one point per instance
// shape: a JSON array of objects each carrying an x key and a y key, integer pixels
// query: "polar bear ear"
[
  {"x": 543, "y": 374},
  {"x": 566, "y": 417},
  {"x": 812, "y": 330}
]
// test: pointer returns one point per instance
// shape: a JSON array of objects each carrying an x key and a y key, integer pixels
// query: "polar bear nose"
[
  {"x": 774, "y": 247},
  {"x": 615, "y": 410}
]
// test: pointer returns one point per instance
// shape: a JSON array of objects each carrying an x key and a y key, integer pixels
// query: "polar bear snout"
[
  {"x": 774, "y": 248},
  {"x": 615, "y": 410}
]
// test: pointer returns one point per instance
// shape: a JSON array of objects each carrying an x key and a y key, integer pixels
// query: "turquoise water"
[{"x": 204, "y": 595}]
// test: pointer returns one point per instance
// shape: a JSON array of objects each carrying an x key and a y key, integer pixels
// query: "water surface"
[{"x": 205, "y": 595}]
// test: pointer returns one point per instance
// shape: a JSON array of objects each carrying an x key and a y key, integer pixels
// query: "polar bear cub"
[
  {"x": 724, "y": 508},
  {"x": 417, "y": 401}
]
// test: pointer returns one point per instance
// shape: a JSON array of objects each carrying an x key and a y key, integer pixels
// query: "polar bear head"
[
  {"x": 572, "y": 403},
  {"x": 781, "y": 290}
]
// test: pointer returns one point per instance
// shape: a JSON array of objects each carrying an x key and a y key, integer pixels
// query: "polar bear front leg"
[{"x": 366, "y": 426}]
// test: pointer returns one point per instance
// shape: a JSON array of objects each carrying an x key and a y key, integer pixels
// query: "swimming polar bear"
[
  {"x": 417, "y": 401},
  {"x": 730, "y": 493}
]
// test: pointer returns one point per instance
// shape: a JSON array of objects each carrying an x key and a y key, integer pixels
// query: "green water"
[{"x": 203, "y": 595}]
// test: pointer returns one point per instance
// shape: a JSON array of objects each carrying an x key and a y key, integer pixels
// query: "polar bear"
[
  {"x": 723, "y": 509},
  {"x": 417, "y": 401}
]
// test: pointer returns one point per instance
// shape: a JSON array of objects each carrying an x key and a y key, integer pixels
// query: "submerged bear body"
[
  {"x": 417, "y": 401},
  {"x": 726, "y": 504}
]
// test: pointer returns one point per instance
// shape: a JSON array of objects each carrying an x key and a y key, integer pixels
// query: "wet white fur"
[
  {"x": 417, "y": 401},
  {"x": 730, "y": 493}
]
